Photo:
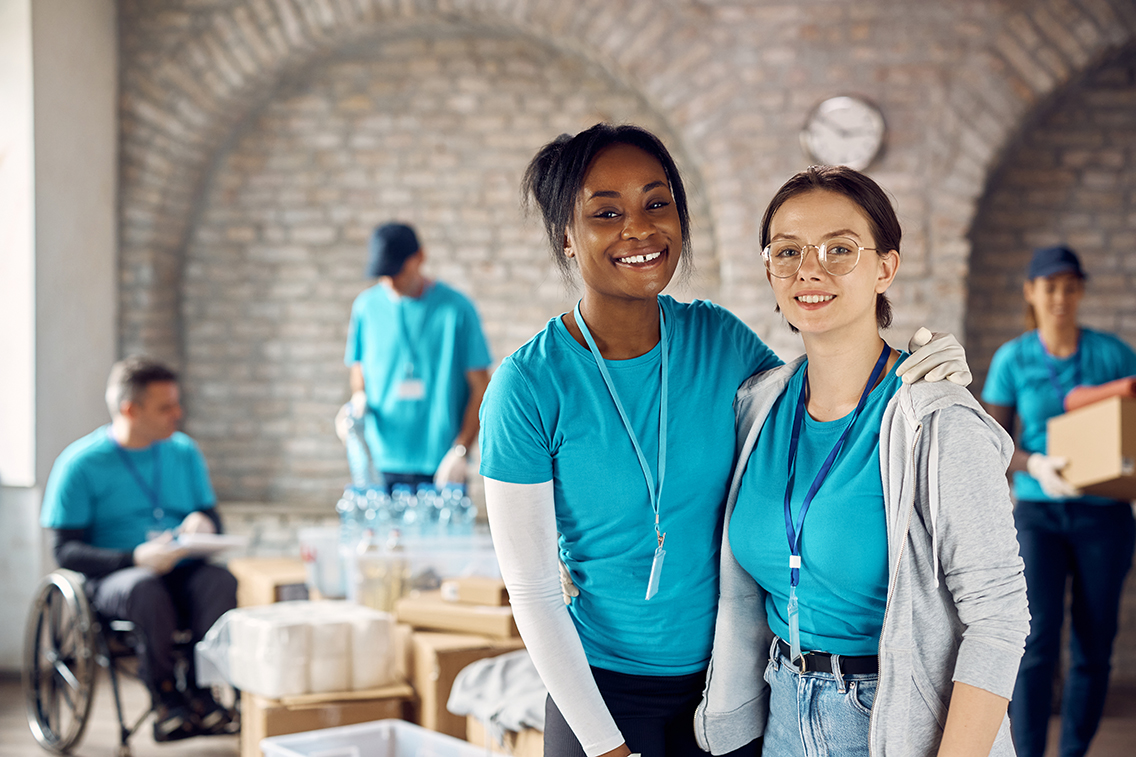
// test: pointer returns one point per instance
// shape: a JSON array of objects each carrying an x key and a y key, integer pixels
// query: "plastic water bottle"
[
  {"x": 376, "y": 511},
  {"x": 429, "y": 505},
  {"x": 364, "y": 472},
  {"x": 347, "y": 508},
  {"x": 397, "y": 578},
  {"x": 402, "y": 502},
  {"x": 466, "y": 513},
  {"x": 450, "y": 501}
]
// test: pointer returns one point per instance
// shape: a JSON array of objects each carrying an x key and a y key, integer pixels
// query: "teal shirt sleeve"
[
  {"x": 1126, "y": 357},
  {"x": 752, "y": 349},
  {"x": 477, "y": 355},
  {"x": 512, "y": 440},
  {"x": 999, "y": 388},
  {"x": 203, "y": 495},
  {"x": 67, "y": 496}
]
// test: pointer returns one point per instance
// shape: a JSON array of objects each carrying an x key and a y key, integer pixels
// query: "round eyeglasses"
[{"x": 838, "y": 256}]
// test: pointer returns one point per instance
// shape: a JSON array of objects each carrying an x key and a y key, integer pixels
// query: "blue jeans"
[
  {"x": 1093, "y": 546},
  {"x": 816, "y": 713}
]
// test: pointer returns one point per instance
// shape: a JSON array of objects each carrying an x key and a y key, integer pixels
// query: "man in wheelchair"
[{"x": 116, "y": 499}]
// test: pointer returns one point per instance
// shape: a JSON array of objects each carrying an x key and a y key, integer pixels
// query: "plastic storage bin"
[{"x": 382, "y": 738}]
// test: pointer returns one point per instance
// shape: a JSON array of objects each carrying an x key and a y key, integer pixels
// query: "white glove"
[
  {"x": 452, "y": 468},
  {"x": 358, "y": 403},
  {"x": 934, "y": 357},
  {"x": 158, "y": 555},
  {"x": 354, "y": 408},
  {"x": 567, "y": 587},
  {"x": 342, "y": 420},
  {"x": 1047, "y": 471}
]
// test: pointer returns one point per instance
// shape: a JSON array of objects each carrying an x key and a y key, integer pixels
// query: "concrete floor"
[
  {"x": 101, "y": 738},
  {"x": 1116, "y": 738}
]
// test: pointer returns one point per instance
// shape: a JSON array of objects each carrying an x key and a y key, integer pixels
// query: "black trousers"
[
  {"x": 654, "y": 714},
  {"x": 192, "y": 596}
]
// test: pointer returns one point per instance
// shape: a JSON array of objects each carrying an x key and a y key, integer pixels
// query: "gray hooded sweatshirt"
[{"x": 956, "y": 597}]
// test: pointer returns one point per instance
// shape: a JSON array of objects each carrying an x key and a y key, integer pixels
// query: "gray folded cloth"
[{"x": 504, "y": 693}]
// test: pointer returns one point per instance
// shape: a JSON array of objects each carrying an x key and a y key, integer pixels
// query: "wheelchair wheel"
[{"x": 60, "y": 661}]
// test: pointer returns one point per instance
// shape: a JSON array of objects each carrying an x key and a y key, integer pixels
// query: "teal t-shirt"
[
  {"x": 94, "y": 488},
  {"x": 432, "y": 341},
  {"x": 1020, "y": 378},
  {"x": 844, "y": 568},
  {"x": 548, "y": 416}
]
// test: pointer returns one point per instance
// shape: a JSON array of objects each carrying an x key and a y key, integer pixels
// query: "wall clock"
[{"x": 844, "y": 131}]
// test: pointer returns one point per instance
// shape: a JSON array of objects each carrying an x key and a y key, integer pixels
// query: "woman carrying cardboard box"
[{"x": 1062, "y": 532}]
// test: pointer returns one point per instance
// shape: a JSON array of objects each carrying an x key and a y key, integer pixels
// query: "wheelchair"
[{"x": 65, "y": 643}]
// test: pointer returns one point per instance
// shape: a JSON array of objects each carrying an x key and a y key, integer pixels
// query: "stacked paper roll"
[
  {"x": 264, "y": 649},
  {"x": 292, "y": 648}
]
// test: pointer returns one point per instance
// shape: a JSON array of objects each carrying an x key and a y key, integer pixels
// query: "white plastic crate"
[{"x": 381, "y": 738}]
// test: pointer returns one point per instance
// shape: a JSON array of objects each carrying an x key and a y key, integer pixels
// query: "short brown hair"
[
  {"x": 130, "y": 377},
  {"x": 858, "y": 188}
]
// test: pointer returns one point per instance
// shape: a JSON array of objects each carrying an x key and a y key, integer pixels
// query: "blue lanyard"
[
  {"x": 152, "y": 492},
  {"x": 1051, "y": 366},
  {"x": 794, "y": 533},
  {"x": 655, "y": 491}
]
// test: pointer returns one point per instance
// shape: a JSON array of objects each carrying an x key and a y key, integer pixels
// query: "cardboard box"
[
  {"x": 476, "y": 590},
  {"x": 526, "y": 743},
  {"x": 1099, "y": 441},
  {"x": 437, "y": 659},
  {"x": 428, "y": 610},
  {"x": 264, "y": 580},
  {"x": 262, "y": 717}
]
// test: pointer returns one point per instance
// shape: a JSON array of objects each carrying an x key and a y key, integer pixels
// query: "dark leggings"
[
  {"x": 654, "y": 714},
  {"x": 1087, "y": 548}
]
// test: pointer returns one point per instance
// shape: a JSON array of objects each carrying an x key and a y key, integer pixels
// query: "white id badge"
[
  {"x": 794, "y": 626},
  {"x": 656, "y": 572},
  {"x": 411, "y": 389}
]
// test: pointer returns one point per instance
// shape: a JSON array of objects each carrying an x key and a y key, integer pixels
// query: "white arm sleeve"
[{"x": 522, "y": 518}]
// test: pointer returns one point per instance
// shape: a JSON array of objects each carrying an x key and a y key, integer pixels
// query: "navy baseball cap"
[
  {"x": 391, "y": 245},
  {"x": 1050, "y": 261}
]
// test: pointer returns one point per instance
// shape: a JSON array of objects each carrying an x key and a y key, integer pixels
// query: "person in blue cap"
[
  {"x": 1062, "y": 532},
  {"x": 419, "y": 365}
]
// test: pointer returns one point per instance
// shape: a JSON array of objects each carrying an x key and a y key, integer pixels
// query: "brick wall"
[{"x": 1069, "y": 178}]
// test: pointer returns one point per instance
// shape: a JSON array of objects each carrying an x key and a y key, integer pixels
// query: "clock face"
[{"x": 843, "y": 131}]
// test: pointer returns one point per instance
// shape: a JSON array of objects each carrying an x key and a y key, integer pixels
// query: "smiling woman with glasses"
[{"x": 872, "y": 598}]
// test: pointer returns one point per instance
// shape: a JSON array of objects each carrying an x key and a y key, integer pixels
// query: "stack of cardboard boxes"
[{"x": 438, "y": 634}]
